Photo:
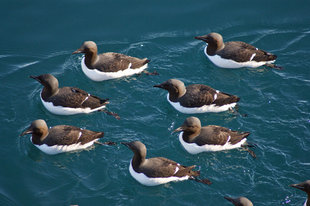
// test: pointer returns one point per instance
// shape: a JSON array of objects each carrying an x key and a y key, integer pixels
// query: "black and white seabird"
[
  {"x": 197, "y": 98},
  {"x": 240, "y": 201},
  {"x": 110, "y": 65},
  {"x": 60, "y": 138},
  {"x": 67, "y": 100},
  {"x": 304, "y": 186},
  {"x": 158, "y": 170},
  {"x": 235, "y": 54},
  {"x": 196, "y": 139}
]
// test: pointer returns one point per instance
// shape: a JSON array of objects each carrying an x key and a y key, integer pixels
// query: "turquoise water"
[{"x": 39, "y": 36}]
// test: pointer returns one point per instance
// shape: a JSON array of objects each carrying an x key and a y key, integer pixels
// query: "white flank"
[
  {"x": 305, "y": 204},
  {"x": 193, "y": 148},
  {"x": 59, "y": 110},
  {"x": 203, "y": 109},
  {"x": 227, "y": 63},
  {"x": 97, "y": 75},
  {"x": 153, "y": 181},
  {"x": 56, "y": 149}
]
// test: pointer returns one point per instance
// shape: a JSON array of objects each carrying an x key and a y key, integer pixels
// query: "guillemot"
[
  {"x": 110, "y": 65},
  {"x": 61, "y": 138},
  {"x": 197, "y": 98},
  {"x": 68, "y": 100},
  {"x": 196, "y": 139},
  {"x": 158, "y": 170},
  {"x": 235, "y": 54}
]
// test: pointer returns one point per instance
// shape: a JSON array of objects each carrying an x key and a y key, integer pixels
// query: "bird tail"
[
  {"x": 245, "y": 134},
  {"x": 224, "y": 98},
  {"x": 187, "y": 171},
  {"x": 101, "y": 101},
  {"x": 104, "y": 101},
  {"x": 146, "y": 61},
  {"x": 271, "y": 57},
  {"x": 99, "y": 135},
  {"x": 234, "y": 98},
  {"x": 237, "y": 137}
]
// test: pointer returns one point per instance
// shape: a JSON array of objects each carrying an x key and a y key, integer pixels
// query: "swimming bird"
[
  {"x": 61, "y": 138},
  {"x": 235, "y": 54},
  {"x": 110, "y": 65},
  {"x": 68, "y": 100},
  {"x": 240, "y": 201},
  {"x": 158, "y": 170},
  {"x": 304, "y": 186},
  {"x": 196, "y": 139},
  {"x": 197, "y": 98}
]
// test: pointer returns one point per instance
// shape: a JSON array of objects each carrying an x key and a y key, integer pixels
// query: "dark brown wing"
[
  {"x": 197, "y": 95},
  {"x": 243, "y": 52},
  {"x": 76, "y": 98},
  {"x": 162, "y": 167},
  {"x": 113, "y": 62},
  {"x": 212, "y": 135},
  {"x": 67, "y": 135},
  {"x": 237, "y": 136},
  {"x": 217, "y": 135},
  {"x": 225, "y": 98}
]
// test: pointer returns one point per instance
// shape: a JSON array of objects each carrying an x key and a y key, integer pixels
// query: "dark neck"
[
  {"x": 213, "y": 48},
  {"x": 174, "y": 95},
  {"x": 137, "y": 160},
  {"x": 308, "y": 200},
  {"x": 189, "y": 136},
  {"x": 90, "y": 59},
  {"x": 48, "y": 92},
  {"x": 38, "y": 138}
]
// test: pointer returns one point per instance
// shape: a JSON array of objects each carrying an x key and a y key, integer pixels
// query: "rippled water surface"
[{"x": 39, "y": 36}]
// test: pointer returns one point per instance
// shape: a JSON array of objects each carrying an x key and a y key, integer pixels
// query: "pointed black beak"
[
  {"x": 127, "y": 144},
  {"x": 230, "y": 199},
  {"x": 35, "y": 77},
  {"x": 179, "y": 129},
  {"x": 159, "y": 86},
  {"x": 27, "y": 131},
  {"x": 203, "y": 38},
  {"x": 78, "y": 51},
  {"x": 300, "y": 187}
]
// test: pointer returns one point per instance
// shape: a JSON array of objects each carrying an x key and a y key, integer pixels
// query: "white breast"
[
  {"x": 56, "y": 149},
  {"x": 193, "y": 148},
  {"x": 59, "y": 110},
  {"x": 97, "y": 75},
  {"x": 153, "y": 181},
  {"x": 203, "y": 109},
  {"x": 227, "y": 63}
]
